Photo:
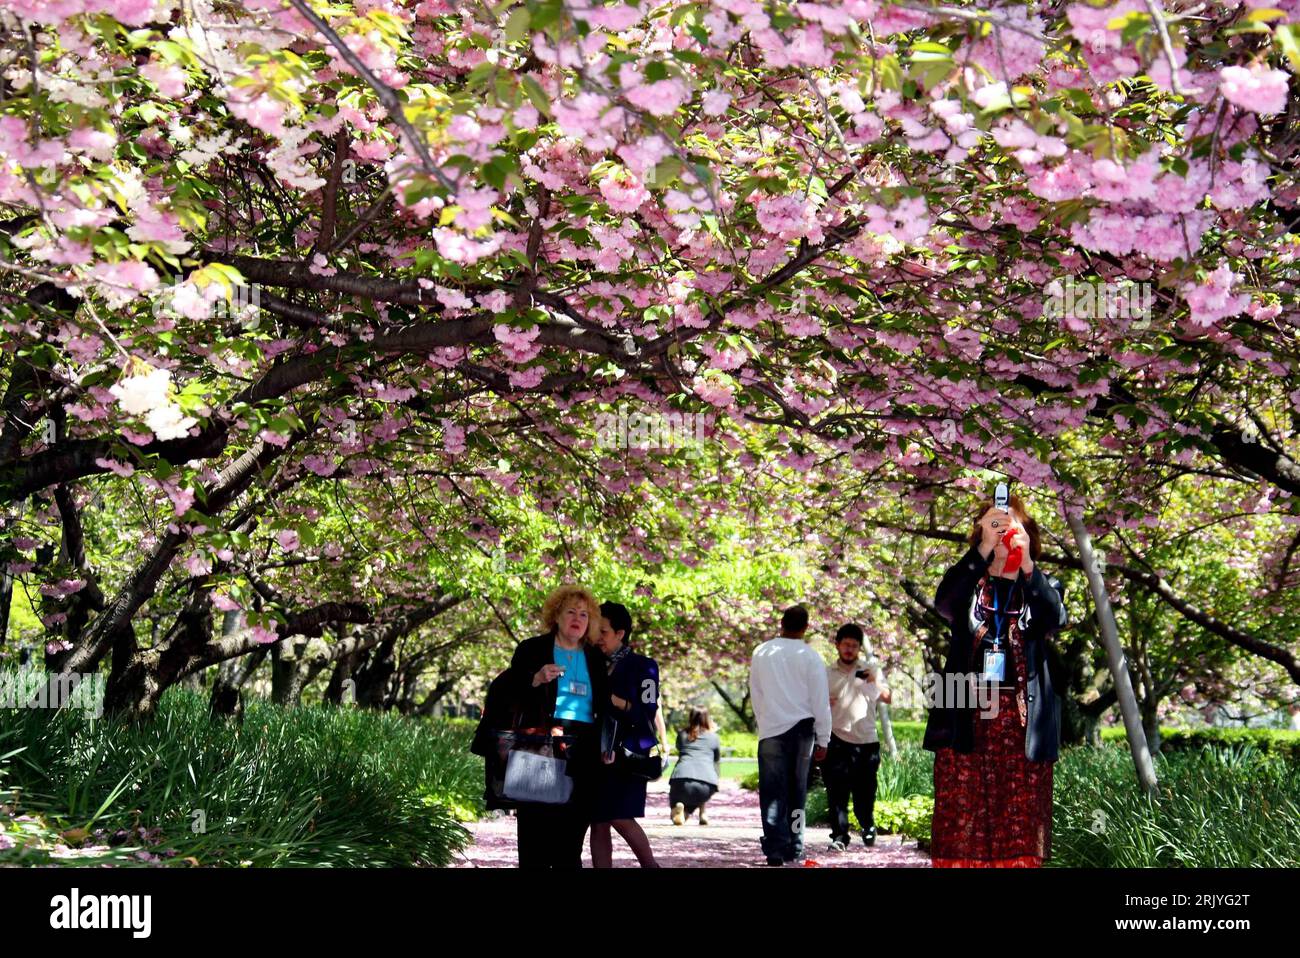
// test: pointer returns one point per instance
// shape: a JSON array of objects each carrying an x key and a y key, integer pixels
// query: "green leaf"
[
  {"x": 1285, "y": 36},
  {"x": 533, "y": 90},
  {"x": 518, "y": 23}
]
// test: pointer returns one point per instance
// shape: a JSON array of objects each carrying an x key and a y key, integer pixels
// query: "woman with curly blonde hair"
[{"x": 559, "y": 682}]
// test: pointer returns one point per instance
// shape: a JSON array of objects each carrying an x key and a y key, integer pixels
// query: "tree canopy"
[{"x": 321, "y": 313}]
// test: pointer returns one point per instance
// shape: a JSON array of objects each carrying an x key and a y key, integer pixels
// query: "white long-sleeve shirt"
[
  {"x": 853, "y": 716},
  {"x": 787, "y": 684}
]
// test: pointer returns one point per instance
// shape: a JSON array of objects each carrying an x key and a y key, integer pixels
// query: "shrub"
[
  {"x": 1267, "y": 740},
  {"x": 909, "y": 816},
  {"x": 307, "y": 786},
  {"x": 742, "y": 744}
]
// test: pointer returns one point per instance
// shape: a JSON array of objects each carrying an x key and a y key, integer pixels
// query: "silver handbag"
[{"x": 536, "y": 778}]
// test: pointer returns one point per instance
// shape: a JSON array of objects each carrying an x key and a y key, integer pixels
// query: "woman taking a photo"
[
  {"x": 695, "y": 776},
  {"x": 559, "y": 682},
  {"x": 633, "y": 703},
  {"x": 993, "y": 764}
]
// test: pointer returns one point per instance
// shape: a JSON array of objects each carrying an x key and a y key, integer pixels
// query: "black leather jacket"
[{"x": 950, "y": 727}]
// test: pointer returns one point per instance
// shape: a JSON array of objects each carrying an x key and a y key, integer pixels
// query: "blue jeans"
[{"x": 783, "y": 763}]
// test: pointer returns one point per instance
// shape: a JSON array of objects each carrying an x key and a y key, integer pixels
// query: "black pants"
[
  {"x": 551, "y": 836},
  {"x": 690, "y": 792},
  {"x": 850, "y": 772}
]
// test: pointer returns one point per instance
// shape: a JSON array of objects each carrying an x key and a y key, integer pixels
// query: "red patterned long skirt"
[{"x": 992, "y": 806}]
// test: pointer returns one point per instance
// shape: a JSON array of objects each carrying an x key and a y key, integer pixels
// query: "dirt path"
[{"x": 730, "y": 840}]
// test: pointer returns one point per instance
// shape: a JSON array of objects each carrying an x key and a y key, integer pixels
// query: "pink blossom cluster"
[
  {"x": 1213, "y": 300},
  {"x": 623, "y": 190},
  {"x": 519, "y": 345},
  {"x": 1103, "y": 48},
  {"x": 590, "y": 119},
  {"x": 714, "y": 391},
  {"x": 123, "y": 281},
  {"x": 789, "y": 217},
  {"x": 907, "y": 222},
  {"x": 63, "y": 588},
  {"x": 1008, "y": 53},
  {"x": 1259, "y": 89},
  {"x": 453, "y": 438},
  {"x": 133, "y": 13}
]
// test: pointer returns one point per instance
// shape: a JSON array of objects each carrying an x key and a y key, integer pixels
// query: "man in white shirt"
[
  {"x": 787, "y": 687},
  {"x": 853, "y": 757}
]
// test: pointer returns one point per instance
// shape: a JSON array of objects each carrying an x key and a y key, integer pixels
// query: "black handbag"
[
  {"x": 649, "y": 768},
  {"x": 526, "y": 766}
]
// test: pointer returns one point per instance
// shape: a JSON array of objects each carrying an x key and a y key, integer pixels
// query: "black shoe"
[
  {"x": 869, "y": 836},
  {"x": 774, "y": 861}
]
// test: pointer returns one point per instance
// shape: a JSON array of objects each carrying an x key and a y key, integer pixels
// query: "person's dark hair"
[
  {"x": 794, "y": 620},
  {"x": 699, "y": 722},
  {"x": 850, "y": 630},
  {"x": 620, "y": 620},
  {"x": 1017, "y": 507}
]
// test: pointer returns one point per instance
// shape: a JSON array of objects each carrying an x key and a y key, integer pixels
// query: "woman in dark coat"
[
  {"x": 994, "y": 727},
  {"x": 633, "y": 702},
  {"x": 558, "y": 682}
]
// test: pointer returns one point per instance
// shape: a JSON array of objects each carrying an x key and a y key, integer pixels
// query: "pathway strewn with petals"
[{"x": 730, "y": 840}]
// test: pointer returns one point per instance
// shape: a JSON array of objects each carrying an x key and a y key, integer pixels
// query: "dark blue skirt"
[{"x": 618, "y": 796}]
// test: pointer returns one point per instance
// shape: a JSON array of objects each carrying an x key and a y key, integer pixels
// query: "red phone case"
[{"x": 1015, "y": 555}]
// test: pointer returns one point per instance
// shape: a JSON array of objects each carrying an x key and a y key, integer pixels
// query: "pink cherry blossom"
[{"x": 1258, "y": 89}]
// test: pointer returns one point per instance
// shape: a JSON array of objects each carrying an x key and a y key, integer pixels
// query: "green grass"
[
  {"x": 1217, "y": 807},
  {"x": 308, "y": 786},
  {"x": 745, "y": 744},
  {"x": 740, "y": 770}
]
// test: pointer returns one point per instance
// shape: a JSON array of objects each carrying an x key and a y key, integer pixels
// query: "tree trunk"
[
  {"x": 342, "y": 687},
  {"x": 6, "y": 598},
  {"x": 373, "y": 674},
  {"x": 742, "y": 710},
  {"x": 439, "y": 692},
  {"x": 228, "y": 690},
  {"x": 287, "y": 670},
  {"x": 1146, "y": 772},
  {"x": 887, "y": 728}
]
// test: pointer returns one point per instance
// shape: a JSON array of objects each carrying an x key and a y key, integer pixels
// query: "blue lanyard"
[{"x": 998, "y": 616}]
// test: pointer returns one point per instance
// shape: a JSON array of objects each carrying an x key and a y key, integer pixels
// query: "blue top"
[{"x": 573, "y": 688}]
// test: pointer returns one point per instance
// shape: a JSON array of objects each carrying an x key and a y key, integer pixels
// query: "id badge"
[
  {"x": 995, "y": 665},
  {"x": 577, "y": 688}
]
